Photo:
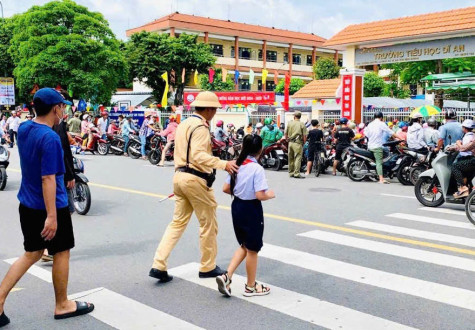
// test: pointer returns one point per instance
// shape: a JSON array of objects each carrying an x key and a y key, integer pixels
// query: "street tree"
[
  {"x": 373, "y": 84},
  {"x": 152, "y": 54},
  {"x": 218, "y": 84},
  {"x": 295, "y": 85},
  {"x": 63, "y": 43},
  {"x": 326, "y": 68},
  {"x": 6, "y": 61}
]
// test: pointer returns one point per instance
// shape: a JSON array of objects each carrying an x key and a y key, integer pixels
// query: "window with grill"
[
  {"x": 259, "y": 55},
  {"x": 217, "y": 49},
  {"x": 244, "y": 85},
  {"x": 286, "y": 57},
  {"x": 244, "y": 53},
  {"x": 309, "y": 59},
  {"x": 296, "y": 58},
  {"x": 271, "y": 56}
]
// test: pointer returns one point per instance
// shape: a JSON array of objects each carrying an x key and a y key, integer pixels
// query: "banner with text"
[
  {"x": 227, "y": 98},
  {"x": 417, "y": 51},
  {"x": 7, "y": 91}
]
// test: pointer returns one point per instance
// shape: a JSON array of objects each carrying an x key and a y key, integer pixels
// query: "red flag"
[
  {"x": 338, "y": 101},
  {"x": 211, "y": 76},
  {"x": 276, "y": 77},
  {"x": 322, "y": 101},
  {"x": 286, "y": 91}
]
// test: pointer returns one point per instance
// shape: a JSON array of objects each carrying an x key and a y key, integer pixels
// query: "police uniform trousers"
[
  {"x": 295, "y": 158},
  {"x": 192, "y": 195}
]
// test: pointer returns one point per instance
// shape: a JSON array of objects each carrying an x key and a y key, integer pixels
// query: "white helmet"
[
  {"x": 468, "y": 123},
  {"x": 417, "y": 115},
  {"x": 259, "y": 125}
]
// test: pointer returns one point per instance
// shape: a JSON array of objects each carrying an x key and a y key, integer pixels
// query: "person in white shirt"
[
  {"x": 12, "y": 126},
  {"x": 415, "y": 135},
  {"x": 431, "y": 135},
  {"x": 103, "y": 124},
  {"x": 375, "y": 132}
]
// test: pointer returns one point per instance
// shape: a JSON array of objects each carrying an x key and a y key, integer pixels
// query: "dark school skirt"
[{"x": 248, "y": 222}]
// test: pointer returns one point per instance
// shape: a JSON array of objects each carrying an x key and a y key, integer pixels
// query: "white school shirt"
[
  {"x": 375, "y": 133},
  {"x": 250, "y": 179}
]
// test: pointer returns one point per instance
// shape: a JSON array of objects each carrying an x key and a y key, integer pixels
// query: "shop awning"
[
  {"x": 449, "y": 76},
  {"x": 451, "y": 87}
]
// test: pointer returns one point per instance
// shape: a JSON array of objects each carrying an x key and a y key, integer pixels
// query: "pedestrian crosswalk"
[{"x": 450, "y": 227}]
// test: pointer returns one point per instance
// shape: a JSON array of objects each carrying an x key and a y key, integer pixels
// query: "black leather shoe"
[
  {"x": 213, "y": 273},
  {"x": 4, "y": 320},
  {"x": 160, "y": 275}
]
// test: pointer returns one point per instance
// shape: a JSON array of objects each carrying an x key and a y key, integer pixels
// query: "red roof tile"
[{"x": 318, "y": 89}]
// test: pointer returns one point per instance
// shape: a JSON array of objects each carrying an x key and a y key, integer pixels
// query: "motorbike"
[
  {"x": 224, "y": 150},
  {"x": 318, "y": 166},
  {"x": 117, "y": 144},
  {"x": 437, "y": 185},
  {"x": 81, "y": 191},
  {"x": 412, "y": 157},
  {"x": 362, "y": 163},
  {"x": 4, "y": 162},
  {"x": 274, "y": 156},
  {"x": 157, "y": 144},
  {"x": 133, "y": 149},
  {"x": 422, "y": 164},
  {"x": 96, "y": 144}
]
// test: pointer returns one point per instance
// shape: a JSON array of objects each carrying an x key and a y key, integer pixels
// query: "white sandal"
[
  {"x": 224, "y": 283},
  {"x": 252, "y": 291}
]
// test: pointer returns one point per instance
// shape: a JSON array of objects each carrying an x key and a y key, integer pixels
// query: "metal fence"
[
  {"x": 329, "y": 116},
  {"x": 402, "y": 114},
  {"x": 255, "y": 117}
]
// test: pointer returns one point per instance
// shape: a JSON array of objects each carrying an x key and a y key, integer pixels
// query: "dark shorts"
[
  {"x": 32, "y": 223},
  {"x": 312, "y": 150},
  {"x": 248, "y": 222},
  {"x": 339, "y": 151}
]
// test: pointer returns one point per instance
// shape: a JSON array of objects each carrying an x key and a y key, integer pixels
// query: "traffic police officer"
[
  {"x": 296, "y": 134},
  {"x": 194, "y": 174}
]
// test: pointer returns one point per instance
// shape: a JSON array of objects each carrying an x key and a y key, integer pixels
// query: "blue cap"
[{"x": 50, "y": 96}]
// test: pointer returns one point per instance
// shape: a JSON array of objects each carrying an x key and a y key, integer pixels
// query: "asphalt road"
[{"x": 337, "y": 254}]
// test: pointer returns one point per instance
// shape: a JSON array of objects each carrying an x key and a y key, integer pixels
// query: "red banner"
[
  {"x": 346, "y": 96},
  {"x": 226, "y": 98}
]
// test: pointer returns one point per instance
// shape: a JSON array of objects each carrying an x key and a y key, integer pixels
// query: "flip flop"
[
  {"x": 81, "y": 309},
  {"x": 4, "y": 320}
]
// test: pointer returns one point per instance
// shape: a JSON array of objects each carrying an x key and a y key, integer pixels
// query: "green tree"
[
  {"x": 152, "y": 54},
  {"x": 326, "y": 68},
  {"x": 6, "y": 61},
  {"x": 295, "y": 85},
  {"x": 394, "y": 90},
  {"x": 64, "y": 43},
  {"x": 373, "y": 84},
  {"x": 218, "y": 84}
]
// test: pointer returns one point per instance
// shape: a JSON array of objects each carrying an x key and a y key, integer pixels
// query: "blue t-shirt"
[
  {"x": 453, "y": 129},
  {"x": 40, "y": 155}
]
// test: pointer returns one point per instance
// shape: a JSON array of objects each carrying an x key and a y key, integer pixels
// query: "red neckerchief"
[{"x": 247, "y": 161}]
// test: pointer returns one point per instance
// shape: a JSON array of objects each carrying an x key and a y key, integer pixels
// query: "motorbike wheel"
[
  {"x": 154, "y": 156},
  {"x": 103, "y": 148},
  {"x": 3, "y": 178},
  {"x": 82, "y": 198},
  {"x": 403, "y": 173},
  {"x": 134, "y": 146},
  {"x": 277, "y": 164},
  {"x": 356, "y": 164},
  {"x": 427, "y": 190},
  {"x": 317, "y": 167},
  {"x": 116, "y": 144},
  {"x": 415, "y": 172},
  {"x": 470, "y": 207}
]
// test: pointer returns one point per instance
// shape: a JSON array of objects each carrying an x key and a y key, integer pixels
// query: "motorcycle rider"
[
  {"x": 401, "y": 133},
  {"x": 431, "y": 135},
  {"x": 258, "y": 128},
  {"x": 219, "y": 133},
  {"x": 146, "y": 130},
  {"x": 465, "y": 164},
  {"x": 127, "y": 128},
  {"x": 450, "y": 132},
  {"x": 343, "y": 135},
  {"x": 415, "y": 135},
  {"x": 103, "y": 124},
  {"x": 269, "y": 133},
  {"x": 375, "y": 133},
  {"x": 314, "y": 138},
  {"x": 169, "y": 132}
]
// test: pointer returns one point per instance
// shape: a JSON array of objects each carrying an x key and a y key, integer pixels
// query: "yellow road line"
[{"x": 310, "y": 223}]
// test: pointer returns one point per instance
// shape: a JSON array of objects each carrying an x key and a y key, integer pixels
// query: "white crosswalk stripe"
[
  {"x": 442, "y": 210},
  {"x": 403, "y": 284},
  {"x": 436, "y": 221},
  {"x": 413, "y": 232},
  {"x": 297, "y": 305},
  {"x": 124, "y": 313},
  {"x": 34, "y": 270},
  {"x": 392, "y": 249}
]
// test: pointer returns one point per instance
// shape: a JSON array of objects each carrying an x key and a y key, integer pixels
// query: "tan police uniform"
[
  {"x": 295, "y": 131},
  {"x": 192, "y": 193}
]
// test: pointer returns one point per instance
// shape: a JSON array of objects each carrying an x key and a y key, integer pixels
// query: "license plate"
[
  {"x": 279, "y": 152},
  {"x": 399, "y": 161}
]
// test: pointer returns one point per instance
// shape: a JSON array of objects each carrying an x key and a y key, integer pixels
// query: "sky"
[{"x": 322, "y": 17}]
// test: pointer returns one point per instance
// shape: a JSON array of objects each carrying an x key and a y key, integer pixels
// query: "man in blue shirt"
[
  {"x": 450, "y": 132},
  {"x": 44, "y": 215},
  {"x": 128, "y": 128}
]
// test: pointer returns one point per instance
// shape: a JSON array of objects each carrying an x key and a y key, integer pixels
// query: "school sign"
[{"x": 418, "y": 51}]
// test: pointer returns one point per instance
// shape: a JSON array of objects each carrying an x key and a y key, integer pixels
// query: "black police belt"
[{"x": 209, "y": 177}]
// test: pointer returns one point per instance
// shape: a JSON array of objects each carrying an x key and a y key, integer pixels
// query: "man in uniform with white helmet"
[{"x": 194, "y": 174}]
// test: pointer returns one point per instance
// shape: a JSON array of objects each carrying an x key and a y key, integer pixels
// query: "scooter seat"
[{"x": 362, "y": 152}]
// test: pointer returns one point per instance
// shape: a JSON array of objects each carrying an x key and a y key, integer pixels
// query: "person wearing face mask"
[{"x": 44, "y": 216}]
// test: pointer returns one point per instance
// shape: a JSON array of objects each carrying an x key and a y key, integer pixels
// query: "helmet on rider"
[
  {"x": 431, "y": 122},
  {"x": 104, "y": 113},
  {"x": 267, "y": 121},
  {"x": 468, "y": 124},
  {"x": 402, "y": 124},
  {"x": 404, "y": 128},
  {"x": 230, "y": 125},
  {"x": 395, "y": 121},
  {"x": 352, "y": 125},
  {"x": 172, "y": 118},
  {"x": 450, "y": 114},
  {"x": 358, "y": 136},
  {"x": 343, "y": 121},
  {"x": 259, "y": 125},
  {"x": 219, "y": 123},
  {"x": 378, "y": 115},
  {"x": 416, "y": 115}
]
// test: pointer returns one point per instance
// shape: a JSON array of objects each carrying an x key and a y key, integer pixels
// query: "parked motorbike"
[
  {"x": 437, "y": 185},
  {"x": 413, "y": 156},
  {"x": 275, "y": 156},
  {"x": 81, "y": 191},
  {"x": 133, "y": 149},
  {"x": 362, "y": 163},
  {"x": 117, "y": 144},
  {"x": 224, "y": 150},
  {"x": 95, "y": 144},
  {"x": 422, "y": 164},
  {"x": 4, "y": 162},
  {"x": 157, "y": 145}
]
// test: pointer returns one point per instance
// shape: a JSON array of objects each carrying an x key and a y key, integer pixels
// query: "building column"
[
  {"x": 172, "y": 32},
  {"x": 376, "y": 68},
  {"x": 264, "y": 60},
  {"x": 206, "y": 37},
  {"x": 352, "y": 94},
  {"x": 314, "y": 55},
  {"x": 236, "y": 58},
  {"x": 336, "y": 57},
  {"x": 290, "y": 59}
]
